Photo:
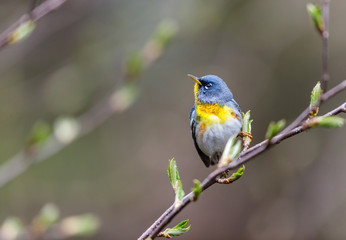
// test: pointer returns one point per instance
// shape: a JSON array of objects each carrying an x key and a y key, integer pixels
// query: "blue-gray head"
[{"x": 211, "y": 89}]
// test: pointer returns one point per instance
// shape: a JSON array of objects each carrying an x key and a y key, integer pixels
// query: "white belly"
[{"x": 215, "y": 137}]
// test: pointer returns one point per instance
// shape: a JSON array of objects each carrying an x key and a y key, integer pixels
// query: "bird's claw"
[{"x": 245, "y": 134}]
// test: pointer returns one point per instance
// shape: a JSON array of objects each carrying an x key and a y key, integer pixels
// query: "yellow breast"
[{"x": 214, "y": 113}]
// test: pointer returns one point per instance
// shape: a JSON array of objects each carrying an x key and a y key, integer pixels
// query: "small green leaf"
[
  {"x": 246, "y": 130},
  {"x": 21, "y": 32},
  {"x": 328, "y": 122},
  {"x": 178, "y": 230},
  {"x": 246, "y": 127},
  {"x": 182, "y": 224},
  {"x": 197, "y": 189},
  {"x": 315, "y": 97},
  {"x": 230, "y": 152},
  {"x": 165, "y": 32},
  {"x": 235, "y": 150},
  {"x": 173, "y": 173},
  {"x": 134, "y": 65},
  {"x": 225, "y": 158},
  {"x": 274, "y": 128},
  {"x": 235, "y": 176},
  {"x": 315, "y": 94},
  {"x": 229, "y": 145},
  {"x": 315, "y": 13},
  {"x": 39, "y": 133},
  {"x": 174, "y": 178},
  {"x": 179, "y": 193}
]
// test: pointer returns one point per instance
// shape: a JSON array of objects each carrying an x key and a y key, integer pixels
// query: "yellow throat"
[{"x": 212, "y": 113}]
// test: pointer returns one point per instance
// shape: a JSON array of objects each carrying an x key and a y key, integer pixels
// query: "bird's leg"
[{"x": 247, "y": 138}]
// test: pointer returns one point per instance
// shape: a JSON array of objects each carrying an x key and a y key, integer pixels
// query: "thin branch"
[
  {"x": 325, "y": 37},
  {"x": 336, "y": 111},
  {"x": 325, "y": 73},
  {"x": 87, "y": 122},
  {"x": 32, "y": 5},
  {"x": 324, "y": 97},
  {"x": 120, "y": 99},
  {"x": 338, "y": 88},
  {"x": 36, "y": 14},
  {"x": 291, "y": 130},
  {"x": 244, "y": 157}
]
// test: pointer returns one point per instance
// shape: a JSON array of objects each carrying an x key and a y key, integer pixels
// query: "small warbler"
[{"x": 214, "y": 118}]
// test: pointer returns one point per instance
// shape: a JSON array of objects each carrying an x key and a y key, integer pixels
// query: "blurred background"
[{"x": 269, "y": 54}]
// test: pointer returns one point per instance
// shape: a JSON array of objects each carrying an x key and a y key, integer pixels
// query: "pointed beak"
[{"x": 195, "y": 79}]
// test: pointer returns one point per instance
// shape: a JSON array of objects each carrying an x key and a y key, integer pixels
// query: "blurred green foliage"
[
  {"x": 48, "y": 225},
  {"x": 269, "y": 55}
]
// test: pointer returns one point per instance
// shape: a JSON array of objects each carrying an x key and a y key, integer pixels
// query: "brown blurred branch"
[
  {"x": 325, "y": 37},
  {"x": 244, "y": 157},
  {"x": 32, "y": 5},
  {"x": 119, "y": 100},
  {"x": 36, "y": 14},
  {"x": 48, "y": 224},
  {"x": 87, "y": 122}
]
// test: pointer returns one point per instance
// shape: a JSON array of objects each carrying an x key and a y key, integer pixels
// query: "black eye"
[{"x": 209, "y": 85}]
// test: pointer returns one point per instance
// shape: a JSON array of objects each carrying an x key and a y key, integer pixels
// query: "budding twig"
[
  {"x": 243, "y": 157},
  {"x": 325, "y": 37},
  {"x": 36, "y": 14},
  {"x": 324, "y": 97}
]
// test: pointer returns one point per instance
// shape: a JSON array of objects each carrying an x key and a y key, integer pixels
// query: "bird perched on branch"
[{"x": 214, "y": 118}]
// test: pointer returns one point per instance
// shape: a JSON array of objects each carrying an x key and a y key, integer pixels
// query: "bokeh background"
[{"x": 269, "y": 54}]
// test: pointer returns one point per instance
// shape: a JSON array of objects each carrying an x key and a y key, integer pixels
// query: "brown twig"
[
  {"x": 324, "y": 97},
  {"x": 36, "y": 14},
  {"x": 244, "y": 157},
  {"x": 32, "y": 5},
  {"x": 119, "y": 100},
  {"x": 252, "y": 152},
  {"x": 325, "y": 37},
  {"x": 325, "y": 73}
]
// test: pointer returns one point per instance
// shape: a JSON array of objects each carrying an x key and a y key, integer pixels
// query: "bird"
[{"x": 214, "y": 117}]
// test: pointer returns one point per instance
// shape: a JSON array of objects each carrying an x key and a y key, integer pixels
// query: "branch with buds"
[
  {"x": 235, "y": 156},
  {"x": 46, "y": 140},
  {"x": 232, "y": 158},
  {"x": 26, "y": 24},
  {"x": 48, "y": 224}
]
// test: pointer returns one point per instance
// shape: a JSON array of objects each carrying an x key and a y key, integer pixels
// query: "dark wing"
[
  {"x": 193, "y": 126},
  {"x": 234, "y": 105}
]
